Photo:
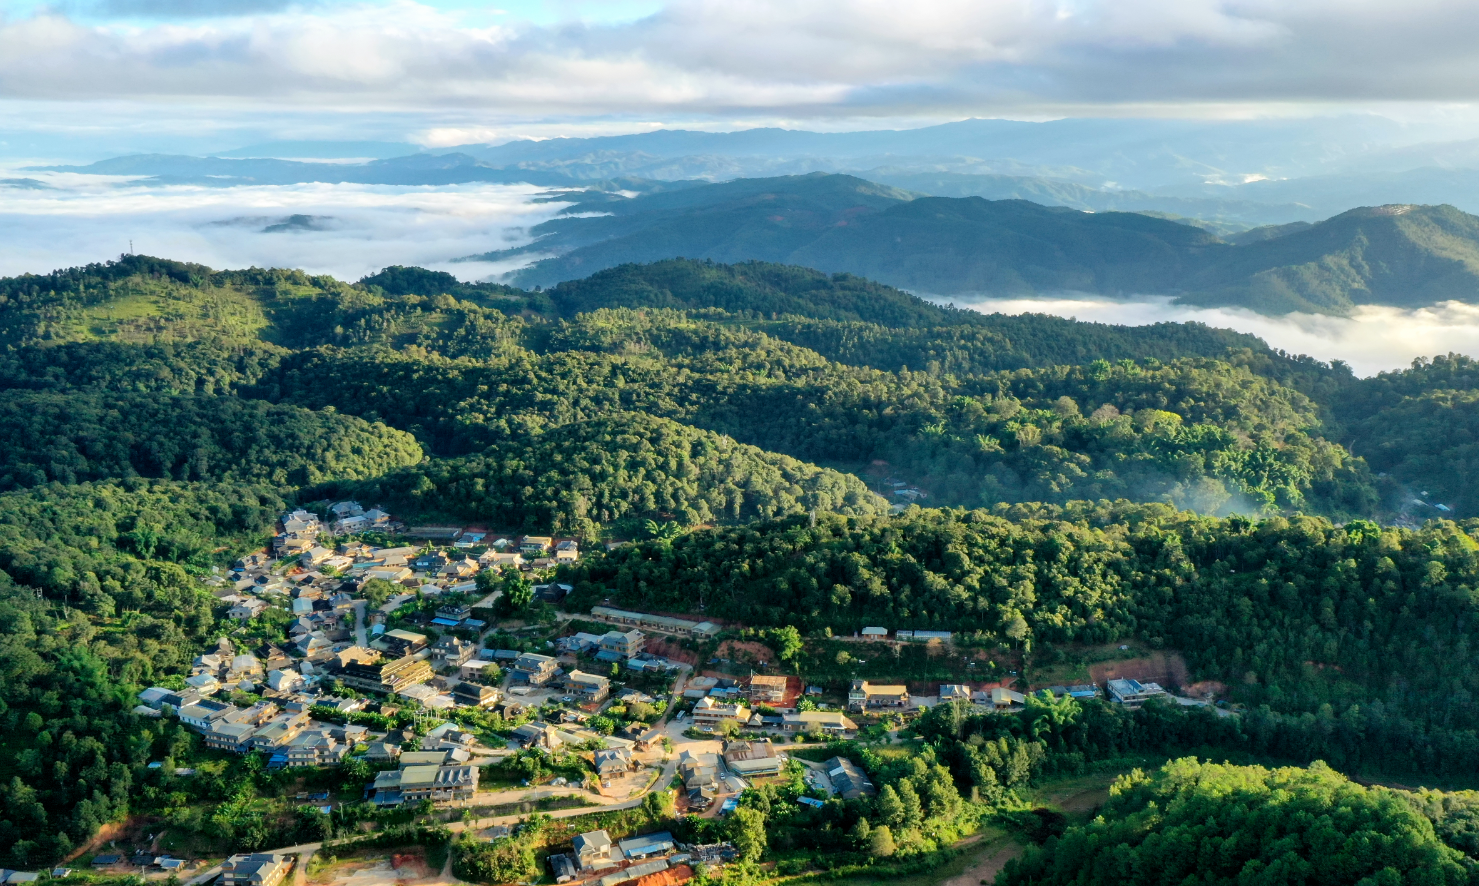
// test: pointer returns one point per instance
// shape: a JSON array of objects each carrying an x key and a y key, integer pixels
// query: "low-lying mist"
[
  {"x": 1373, "y": 340},
  {"x": 58, "y": 221}
]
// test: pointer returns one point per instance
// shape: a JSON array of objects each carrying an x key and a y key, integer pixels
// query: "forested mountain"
[
  {"x": 160, "y": 414},
  {"x": 1407, "y": 256}
]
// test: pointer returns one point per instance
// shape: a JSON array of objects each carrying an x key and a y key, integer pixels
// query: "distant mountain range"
[
  {"x": 1394, "y": 255},
  {"x": 1228, "y": 175}
]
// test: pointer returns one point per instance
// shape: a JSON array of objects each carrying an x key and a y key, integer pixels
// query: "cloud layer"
[
  {"x": 1374, "y": 339},
  {"x": 776, "y": 57},
  {"x": 354, "y": 229}
]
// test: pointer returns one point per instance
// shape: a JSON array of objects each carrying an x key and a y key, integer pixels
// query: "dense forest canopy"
[
  {"x": 160, "y": 415},
  {"x": 1219, "y": 824}
]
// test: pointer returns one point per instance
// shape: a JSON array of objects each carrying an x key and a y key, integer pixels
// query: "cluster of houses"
[
  {"x": 720, "y": 700},
  {"x": 285, "y": 733},
  {"x": 646, "y": 860},
  {"x": 321, "y": 593}
]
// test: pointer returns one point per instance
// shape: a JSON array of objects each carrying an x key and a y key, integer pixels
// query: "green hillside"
[{"x": 1404, "y": 256}]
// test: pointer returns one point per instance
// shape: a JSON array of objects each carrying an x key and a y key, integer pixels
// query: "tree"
[
  {"x": 881, "y": 843},
  {"x": 786, "y": 641},
  {"x": 747, "y": 831},
  {"x": 890, "y": 807},
  {"x": 518, "y": 593},
  {"x": 377, "y": 591}
]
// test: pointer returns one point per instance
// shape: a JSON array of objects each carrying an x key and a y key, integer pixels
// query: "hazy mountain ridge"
[{"x": 1397, "y": 255}]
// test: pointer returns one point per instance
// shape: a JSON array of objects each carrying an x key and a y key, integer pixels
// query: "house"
[
  {"x": 316, "y": 747},
  {"x": 453, "y": 652},
  {"x": 752, "y": 758},
  {"x": 848, "y": 781},
  {"x": 500, "y": 560},
  {"x": 382, "y": 751},
  {"x": 748, "y": 750},
  {"x": 830, "y": 722},
  {"x": 205, "y": 684},
  {"x": 954, "y": 692},
  {"x": 875, "y": 633},
  {"x": 1132, "y": 693},
  {"x": 562, "y": 867},
  {"x": 393, "y": 574},
  {"x": 534, "y": 669},
  {"x": 538, "y": 735},
  {"x": 613, "y": 762},
  {"x": 1003, "y": 699},
  {"x": 587, "y": 687},
  {"x": 567, "y": 551},
  {"x": 711, "y": 712},
  {"x": 248, "y": 609},
  {"x": 758, "y": 767},
  {"x": 373, "y": 673},
  {"x": 864, "y": 695},
  {"x": 255, "y": 560},
  {"x": 768, "y": 690},
  {"x": 314, "y": 556},
  {"x": 202, "y": 713},
  {"x": 535, "y": 545},
  {"x": 475, "y": 695},
  {"x": 255, "y": 869},
  {"x": 278, "y": 731},
  {"x": 579, "y": 642},
  {"x": 412, "y": 784},
  {"x": 284, "y": 681},
  {"x": 696, "y": 772},
  {"x": 402, "y": 642},
  {"x": 593, "y": 851},
  {"x": 378, "y": 518},
  {"x": 552, "y": 593},
  {"x": 350, "y": 524},
  {"x": 647, "y": 846},
  {"x": 619, "y": 646}
]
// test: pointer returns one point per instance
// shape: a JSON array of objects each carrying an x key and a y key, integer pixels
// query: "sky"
[{"x": 444, "y": 72}]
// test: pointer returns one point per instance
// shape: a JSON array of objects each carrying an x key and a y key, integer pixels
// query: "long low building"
[{"x": 680, "y": 626}]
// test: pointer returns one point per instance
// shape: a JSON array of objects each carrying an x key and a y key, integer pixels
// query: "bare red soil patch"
[{"x": 1166, "y": 668}]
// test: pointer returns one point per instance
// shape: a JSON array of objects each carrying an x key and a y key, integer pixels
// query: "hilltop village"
[{"x": 438, "y": 672}]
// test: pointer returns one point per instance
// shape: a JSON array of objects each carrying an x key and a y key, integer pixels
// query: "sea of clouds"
[
  {"x": 345, "y": 230},
  {"x": 349, "y": 231},
  {"x": 1372, "y": 340}
]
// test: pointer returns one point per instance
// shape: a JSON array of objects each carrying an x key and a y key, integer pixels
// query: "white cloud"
[
  {"x": 1374, "y": 339},
  {"x": 845, "y": 57},
  {"x": 357, "y": 229}
]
